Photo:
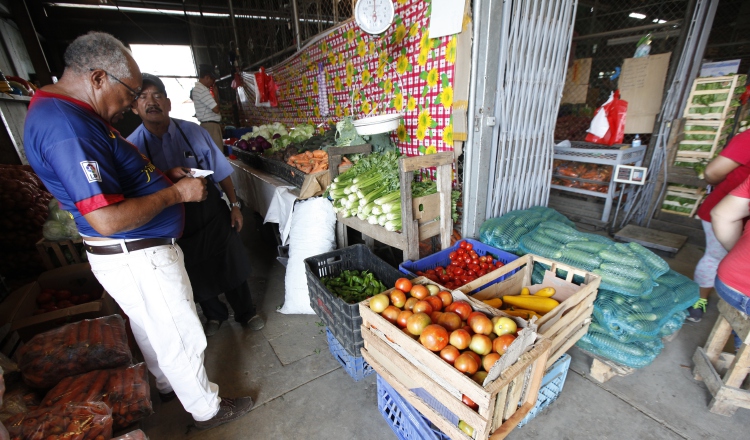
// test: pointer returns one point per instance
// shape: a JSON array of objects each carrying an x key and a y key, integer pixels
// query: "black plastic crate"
[
  {"x": 272, "y": 166},
  {"x": 343, "y": 319}
]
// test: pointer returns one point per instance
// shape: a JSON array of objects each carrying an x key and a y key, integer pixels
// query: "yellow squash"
[
  {"x": 538, "y": 304},
  {"x": 525, "y": 314},
  {"x": 494, "y": 302},
  {"x": 545, "y": 292}
]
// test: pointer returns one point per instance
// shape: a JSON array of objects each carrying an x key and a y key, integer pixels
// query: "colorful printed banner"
[{"x": 401, "y": 71}]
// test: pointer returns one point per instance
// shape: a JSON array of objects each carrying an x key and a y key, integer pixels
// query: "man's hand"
[
  {"x": 237, "y": 219},
  {"x": 192, "y": 190},
  {"x": 177, "y": 173}
]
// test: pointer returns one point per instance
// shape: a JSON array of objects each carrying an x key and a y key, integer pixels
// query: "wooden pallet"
[
  {"x": 725, "y": 104},
  {"x": 422, "y": 218},
  {"x": 686, "y": 193},
  {"x": 408, "y": 367}
]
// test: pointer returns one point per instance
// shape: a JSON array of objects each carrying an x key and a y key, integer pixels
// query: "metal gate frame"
[{"x": 519, "y": 61}]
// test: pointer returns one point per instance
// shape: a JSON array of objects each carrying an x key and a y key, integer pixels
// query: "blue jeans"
[{"x": 736, "y": 299}]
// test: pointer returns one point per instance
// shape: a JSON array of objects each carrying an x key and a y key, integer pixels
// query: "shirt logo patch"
[{"x": 91, "y": 169}]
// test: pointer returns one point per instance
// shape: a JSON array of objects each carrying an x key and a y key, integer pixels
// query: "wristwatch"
[{"x": 235, "y": 205}]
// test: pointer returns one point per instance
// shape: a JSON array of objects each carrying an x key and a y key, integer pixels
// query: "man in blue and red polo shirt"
[{"x": 129, "y": 213}]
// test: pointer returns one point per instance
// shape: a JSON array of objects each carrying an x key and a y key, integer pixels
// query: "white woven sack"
[{"x": 313, "y": 233}]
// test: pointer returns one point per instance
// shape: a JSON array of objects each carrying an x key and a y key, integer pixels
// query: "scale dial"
[{"x": 374, "y": 16}]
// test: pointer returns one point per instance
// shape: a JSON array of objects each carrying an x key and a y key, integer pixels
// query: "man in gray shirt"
[{"x": 206, "y": 107}]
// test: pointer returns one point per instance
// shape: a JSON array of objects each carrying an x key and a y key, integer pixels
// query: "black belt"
[
  {"x": 209, "y": 122},
  {"x": 137, "y": 245}
]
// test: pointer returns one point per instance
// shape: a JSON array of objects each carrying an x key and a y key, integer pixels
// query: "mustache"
[{"x": 154, "y": 108}]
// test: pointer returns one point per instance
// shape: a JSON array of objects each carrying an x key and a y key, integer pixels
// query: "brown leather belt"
[{"x": 132, "y": 246}]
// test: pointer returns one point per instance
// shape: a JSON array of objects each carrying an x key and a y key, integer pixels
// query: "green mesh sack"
[
  {"x": 654, "y": 264},
  {"x": 505, "y": 232},
  {"x": 673, "y": 324},
  {"x": 634, "y": 354},
  {"x": 624, "y": 272},
  {"x": 629, "y": 318}
]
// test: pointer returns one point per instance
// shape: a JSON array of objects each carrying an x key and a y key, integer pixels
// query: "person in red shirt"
[
  {"x": 725, "y": 172},
  {"x": 732, "y": 282}
]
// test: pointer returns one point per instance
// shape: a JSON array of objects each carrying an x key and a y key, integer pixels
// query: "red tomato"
[
  {"x": 430, "y": 272},
  {"x": 452, "y": 256},
  {"x": 473, "y": 254},
  {"x": 460, "y": 251},
  {"x": 456, "y": 263},
  {"x": 458, "y": 271},
  {"x": 463, "y": 244},
  {"x": 484, "y": 266},
  {"x": 403, "y": 284},
  {"x": 499, "y": 264},
  {"x": 482, "y": 259},
  {"x": 420, "y": 273},
  {"x": 469, "y": 246}
]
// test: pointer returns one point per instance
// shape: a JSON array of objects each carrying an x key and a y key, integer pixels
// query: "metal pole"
[
  {"x": 335, "y": 11},
  {"x": 236, "y": 38},
  {"x": 295, "y": 17}
]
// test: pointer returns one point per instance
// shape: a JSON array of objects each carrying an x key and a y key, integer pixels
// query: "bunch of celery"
[{"x": 370, "y": 189}]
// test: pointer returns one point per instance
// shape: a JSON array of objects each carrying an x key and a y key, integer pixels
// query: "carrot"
[
  {"x": 95, "y": 333},
  {"x": 83, "y": 330},
  {"x": 97, "y": 386},
  {"x": 320, "y": 154}
]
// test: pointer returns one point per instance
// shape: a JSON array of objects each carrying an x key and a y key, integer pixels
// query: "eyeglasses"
[
  {"x": 157, "y": 96},
  {"x": 134, "y": 92}
]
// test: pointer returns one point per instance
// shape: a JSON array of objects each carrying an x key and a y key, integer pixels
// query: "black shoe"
[
  {"x": 212, "y": 326},
  {"x": 168, "y": 397},
  {"x": 229, "y": 410},
  {"x": 255, "y": 323}
]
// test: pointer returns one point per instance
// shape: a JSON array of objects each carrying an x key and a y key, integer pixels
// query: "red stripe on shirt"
[{"x": 98, "y": 201}]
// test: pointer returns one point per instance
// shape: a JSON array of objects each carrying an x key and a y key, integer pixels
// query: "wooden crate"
[
  {"x": 722, "y": 106},
  {"x": 422, "y": 218},
  {"x": 410, "y": 368},
  {"x": 566, "y": 323},
  {"x": 686, "y": 193},
  {"x": 688, "y": 148},
  {"x": 49, "y": 249}
]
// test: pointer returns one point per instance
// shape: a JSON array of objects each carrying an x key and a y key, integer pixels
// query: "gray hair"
[{"x": 98, "y": 50}]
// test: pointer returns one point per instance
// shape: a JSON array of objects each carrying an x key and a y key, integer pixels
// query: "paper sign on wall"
[
  {"x": 641, "y": 84},
  {"x": 447, "y": 17}
]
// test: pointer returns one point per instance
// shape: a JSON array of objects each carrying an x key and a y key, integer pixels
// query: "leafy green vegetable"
[{"x": 354, "y": 286}]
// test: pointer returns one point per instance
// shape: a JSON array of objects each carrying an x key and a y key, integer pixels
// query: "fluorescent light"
[
  {"x": 658, "y": 20},
  {"x": 637, "y": 15}
]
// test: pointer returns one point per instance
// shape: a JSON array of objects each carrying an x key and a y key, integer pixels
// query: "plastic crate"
[
  {"x": 341, "y": 318},
  {"x": 405, "y": 421},
  {"x": 552, "y": 385},
  {"x": 356, "y": 367},
  {"x": 441, "y": 259}
]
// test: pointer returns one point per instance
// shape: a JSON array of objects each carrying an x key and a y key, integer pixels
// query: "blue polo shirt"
[
  {"x": 87, "y": 165},
  {"x": 172, "y": 151}
]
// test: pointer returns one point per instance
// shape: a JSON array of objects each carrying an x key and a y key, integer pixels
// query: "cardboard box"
[{"x": 77, "y": 278}]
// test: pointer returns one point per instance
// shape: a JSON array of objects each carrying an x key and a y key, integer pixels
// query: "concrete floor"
[{"x": 302, "y": 392}]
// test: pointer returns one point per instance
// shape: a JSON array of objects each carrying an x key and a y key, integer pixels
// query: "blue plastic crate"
[
  {"x": 405, "y": 421},
  {"x": 552, "y": 385},
  {"x": 356, "y": 367},
  {"x": 441, "y": 259}
]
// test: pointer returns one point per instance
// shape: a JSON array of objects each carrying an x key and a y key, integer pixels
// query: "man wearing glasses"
[
  {"x": 129, "y": 213},
  {"x": 215, "y": 258}
]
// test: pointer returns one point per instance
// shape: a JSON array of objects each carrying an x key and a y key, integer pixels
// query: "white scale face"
[{"x": 374, "y": 16}]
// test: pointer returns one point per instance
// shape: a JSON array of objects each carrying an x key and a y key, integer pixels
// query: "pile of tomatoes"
[
  {"x": 465, "y": 266},
  {"x": 469, "y": 340}
]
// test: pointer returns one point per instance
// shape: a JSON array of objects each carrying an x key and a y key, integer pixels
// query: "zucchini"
[
  {"x": 558, "y": 227},
  {"x": 581, "y": 259},
  {"x": 596, "y": 327},
  {"x": 635, "y": 317},
  {"x": 562, "y": 237},
  {"x": 587, "y": 246},
  {"x": 625, "y": 271},
  {"x": 641, "y": 307},
  {"x": 615, "y": 257},
  {"x": 543, "y": 239},
  {"x": 605, "y": 342},
  {"x": 619, "y": 282},
  {"x": 534, "y": 247}
]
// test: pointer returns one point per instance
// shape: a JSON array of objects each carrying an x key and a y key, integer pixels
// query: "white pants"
[
  {"x": 705, "y": 271},
  {"x": 153, "y": 289}
]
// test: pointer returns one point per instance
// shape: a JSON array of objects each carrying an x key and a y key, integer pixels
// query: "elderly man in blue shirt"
[{"x": 215, "y": 259}]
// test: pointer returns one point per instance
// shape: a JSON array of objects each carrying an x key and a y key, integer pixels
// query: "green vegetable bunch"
[{"x": 354, "y": 286}]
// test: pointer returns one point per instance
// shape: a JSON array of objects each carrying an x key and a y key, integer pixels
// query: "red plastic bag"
[
  {"x": 271, "y": 91},
  {"x": 260, "y": 82},
  {"x": 615, "y": 110},
  {"x": 91, "y": 344}
]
